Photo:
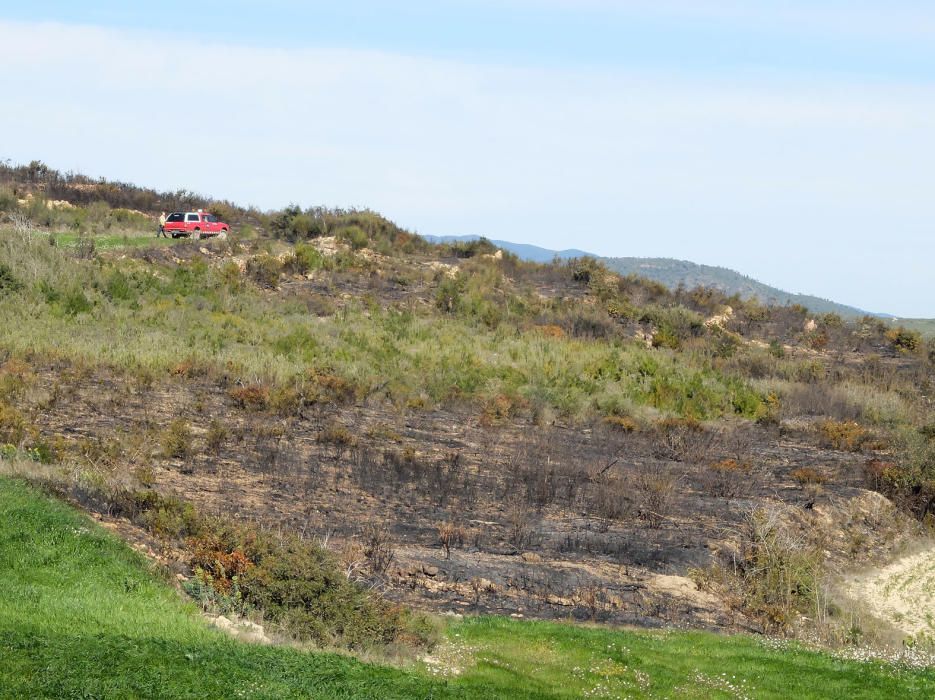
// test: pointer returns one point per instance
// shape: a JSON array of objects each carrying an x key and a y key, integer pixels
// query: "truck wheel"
[
  {"x": 222, "y": 236},
  {"x": 196, "y": 234}
]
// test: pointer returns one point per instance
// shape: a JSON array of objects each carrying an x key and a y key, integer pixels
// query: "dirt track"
[{"x": 902, "y": 593}]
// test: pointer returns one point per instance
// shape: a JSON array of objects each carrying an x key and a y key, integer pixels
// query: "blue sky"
[{"x": 792, "y": 141}]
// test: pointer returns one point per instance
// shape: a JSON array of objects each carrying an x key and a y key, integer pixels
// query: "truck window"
[
  {"x": 175, "y": 216},
  {"x": 211, "y": 218},
  {"x": 192, "y": 217}
]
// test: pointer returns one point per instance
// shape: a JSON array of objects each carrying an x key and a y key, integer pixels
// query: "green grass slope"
[{"x": 81, "y": 616}]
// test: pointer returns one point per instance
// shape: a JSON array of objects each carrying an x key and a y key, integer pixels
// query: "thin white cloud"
[
  {"x": 897, "y": 19},
  {"x": 620, "y": 162}
]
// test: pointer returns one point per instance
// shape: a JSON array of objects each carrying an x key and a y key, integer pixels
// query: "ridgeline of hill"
[{"x": 675, "y": 273}]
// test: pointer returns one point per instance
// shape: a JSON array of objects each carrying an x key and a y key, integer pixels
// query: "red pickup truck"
[{"x": 195, "y": 224}]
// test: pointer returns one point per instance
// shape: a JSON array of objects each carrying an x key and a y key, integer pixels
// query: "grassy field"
[
  {"x": 133, "y": 239},
  {"x": 82, "y": 616}
]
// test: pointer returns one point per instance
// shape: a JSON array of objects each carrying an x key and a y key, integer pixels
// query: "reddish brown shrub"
[
  {"x": 250, "y": 396},
  {"x": 220, "y": 563},
  {"x": 842, "y": 435},
  {"x": 808, "y": 475},
  {"x": 622, "y": 423},
  {"x": 552, "y": 331}
]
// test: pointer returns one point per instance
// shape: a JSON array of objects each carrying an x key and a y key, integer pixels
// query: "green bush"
[
  {"x": 307, "y": 258},
  {"x": 8, "y": 200},
  {"x": 773, "y": 577},
  {"x": 118, "y": 287},
  {"x": 76, "y": 302},
  {"x": 177, "y": 440},
  {"x": 166, "y": 516},
  {"x": 300, "y": 587},
  {"x": 264, "y": 270},
  {"x": 304, "y": 226},
  {"x": 8, "y": 282},
  {"x": 354, "y": 236}
]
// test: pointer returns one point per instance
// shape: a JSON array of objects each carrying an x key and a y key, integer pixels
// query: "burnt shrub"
[
  {"x": 450, "y": 535},
  {"x": 336, "y": 433},
  {"x": 611, "y": 499},
  {"x": 501, "y": 407},
  {"x": 522, "y": 525},
  {"x": 727, "y": 478},
  {"x": 378, "y": 548},
  {"x": 681, "y": 440},
  {"x": 624, "y": 424},
  {"x": 323, "y": 385},
  {"x": 654, "y": 491}
]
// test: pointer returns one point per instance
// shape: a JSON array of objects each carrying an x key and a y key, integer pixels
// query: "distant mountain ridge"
[{"x": 672, "y": 273}]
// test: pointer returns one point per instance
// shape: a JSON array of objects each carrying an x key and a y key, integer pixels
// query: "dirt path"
[{"x": 901, "y": 593}]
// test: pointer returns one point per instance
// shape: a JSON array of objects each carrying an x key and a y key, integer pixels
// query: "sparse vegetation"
[
  {"x": 146, "y": 642},
  {"x": 448, "y": 426}
]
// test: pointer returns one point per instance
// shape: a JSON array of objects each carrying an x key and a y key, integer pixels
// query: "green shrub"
[
  {"x": 300, "y": 587},
  {"x": 264, "y": 270},
  {"x": 306, "y": 258},
  {"x": 8, "y": 282},
  {"x": 118, "y": 287},
  {"x": 354, "y": 236},
  {"x": 166, "y": 516},
  {"x": 773, "y": 577},
  {"x": 304, "y": 226},
  {"x": 217, "y": 434},
  {"x": 229, "y": 275},
  {"x": 448, "y": 296},
  {"x": 14, "y": 427},
  {"x": 75, "y": 302},
  {"x": 470, "y": 249},
  {"x": 177, "y": 440},
  {"x": 8, "y": 200}
]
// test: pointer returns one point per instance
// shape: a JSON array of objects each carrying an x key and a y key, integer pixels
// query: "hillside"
[
  {"x": 673, "y": 273},
  {"x": 337, "y": 430},
  {"x": 100, "y": 623}
]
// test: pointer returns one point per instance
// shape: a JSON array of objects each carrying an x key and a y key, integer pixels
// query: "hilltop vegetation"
[
  {"x": 396, "y": 425},
  {"x": 674, "y": 273}
]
